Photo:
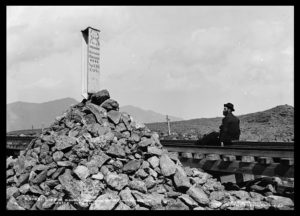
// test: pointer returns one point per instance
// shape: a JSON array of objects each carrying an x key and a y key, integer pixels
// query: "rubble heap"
[{"x": 97, "y": 158}]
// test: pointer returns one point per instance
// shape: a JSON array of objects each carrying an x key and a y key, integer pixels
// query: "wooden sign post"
[
  {"x": 90, "y": 61},
  {"x": 168, "y": 121}
]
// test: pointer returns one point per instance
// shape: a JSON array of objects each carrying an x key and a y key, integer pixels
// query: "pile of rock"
[{"x": 95, "y": 157}]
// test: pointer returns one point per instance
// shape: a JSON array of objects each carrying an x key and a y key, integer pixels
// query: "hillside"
[
  {"x": 146, "y": 116},
  {"x": 23, "y": 115},
  {"x": 276, "y": 124}
]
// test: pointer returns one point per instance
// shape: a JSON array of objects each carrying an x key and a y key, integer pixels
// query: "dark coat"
[{"x": 230, "y": 128}]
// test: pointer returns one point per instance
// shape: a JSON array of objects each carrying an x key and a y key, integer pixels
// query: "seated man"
[{"x": 230, "y": 128}]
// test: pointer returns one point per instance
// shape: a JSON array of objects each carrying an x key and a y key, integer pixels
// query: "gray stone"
[
  {"x": 121, "y": 128},
  {"x": 167, "y": 166},
  {"x": 40, "y": 167},
  {"x": 25, "y": 201},
  {"x": 188, "y": 200},
  {"x": 98, "y": 112},
  {"x": 217, "y": 195},
  {"x": 135, "y": 137},
  {"x": 131, "y": 166},
  {"x": 180, "y": 179},
  {"x": 116, "y": 150},
  {"x": 118, "y": 182},
  {"x": 58, "y": 155},
  {"x": 49, "y": 202},
  {"x": 24, "y": 188},
  {"x": 65, "y": 163},
  {"x": 12, "y": 192},
  {"x": 146, "y": 142},
  {"x": 12, "y": 204},
  {"x": 70, "y": 184},
  {"x": 57, "y": 172},
  {"x": 214, "y": 204},
  {"x": 256, "y": 196},
  {"x": 89, "y": 190},
  {"x": 173, "y": 194},
  {"x": 141, "y": 173},
  {"x": 279, "y": 202},
  {"x": 176, "y": 205},
  {"x": 242, "y": 195},
  {"x": 99, "y": 97},
  {"x": 114, "y": 116},
  {"x": 98, "y": 176},
  {"x": 66, "y": 206},
  {"x": 105, "y": 202},
  {"x": 110, "y": 104},
  {"x": 82, "y": 172},
  {"x": 198, "y": 195},
  {"x": 149, "y": 182},
  {"x": 199, "y": 208},
  {"x": 98, "y": 160},
  {"x": 127, "y": 197},
  {"x": 154, "y": 172},
  {"x": 40, "y": 177},
  {"x": 122, "y": 206},
  {"x": 138, "y": 185},
  {"x": 9, "y": 173},
  {"x": 35, "y": 189},
  {"x": 154, "y": 150},
  {"x": 23, "y": 178},
  {"x": 148, "y": 200},
  {"x": 154, "y": 161},
  {"x": 63, "y": 142}
]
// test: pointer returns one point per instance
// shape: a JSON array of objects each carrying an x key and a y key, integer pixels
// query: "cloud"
[{"x": 40, "y": 31}]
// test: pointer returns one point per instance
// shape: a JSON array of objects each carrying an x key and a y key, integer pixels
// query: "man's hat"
[{"x": 229, "y": 105}]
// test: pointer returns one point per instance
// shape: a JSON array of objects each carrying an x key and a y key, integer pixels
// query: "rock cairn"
[{"x": 94, "y": 157}]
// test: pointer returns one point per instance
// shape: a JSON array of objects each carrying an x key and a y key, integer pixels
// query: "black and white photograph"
[{"x": 150, "y": 107}]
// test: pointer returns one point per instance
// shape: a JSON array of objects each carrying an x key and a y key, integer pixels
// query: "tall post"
[
  {"x": 168, "y": 121},
  {"x": 90, "y": 61}
]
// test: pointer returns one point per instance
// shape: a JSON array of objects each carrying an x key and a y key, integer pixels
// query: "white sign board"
[{"x": 90, "y": 61}]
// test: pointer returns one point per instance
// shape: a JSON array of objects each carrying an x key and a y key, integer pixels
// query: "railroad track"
[{"x": 248, "y": 159}]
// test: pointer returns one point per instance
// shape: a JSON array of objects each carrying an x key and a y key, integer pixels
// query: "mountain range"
[
  {"x": 275, "y": 124},
  {"x": 24, "y": 115}
]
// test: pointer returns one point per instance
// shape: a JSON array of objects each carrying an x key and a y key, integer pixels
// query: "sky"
[{"x": 184, "y": 61}]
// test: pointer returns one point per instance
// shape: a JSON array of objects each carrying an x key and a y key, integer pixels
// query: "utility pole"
[{"x": 168, "y": 121}]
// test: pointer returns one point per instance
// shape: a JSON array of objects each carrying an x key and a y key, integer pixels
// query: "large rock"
[
  {"x": 110, "y": 104},
  {"x": 99, "y": 112},
  {"x": 198, "y": 194},
  {"x": 105, "y": 202},
  {"x": 176, "y": 205},
  {"x": 154, "y": 161},
  {"x": 63, "y": 142},
  {"x": 58, "y": 155},
  {"x": 167, "y": 166},
  {"x": 12, "y": 192},
  {"x": 12, "y": 204},
  {"x": 118, "y": 182},
  {"x": 114, "y": 116},
  {"x": 82, "y": 172},
  {"x": 181, "y": 180},
  {"x": 148, "y": 200},
  {"x": 99, "y": 97},
  {"x": 154, "y": 150},
  {"x": 188, "y": 200},
  {"x": 280, "y": 202},
  {"x": 138, "y": 185},
  {"x": 131, "y": 166},
  {"x": 116, "y": 150},
  {"x": 98, "y": 160},
  {"x": 127, "y": 197}
]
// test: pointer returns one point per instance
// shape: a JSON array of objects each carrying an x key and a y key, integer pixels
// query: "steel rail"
[
  {"x": 238, "y": 151},
  {"x": 236, "y": 143}
]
